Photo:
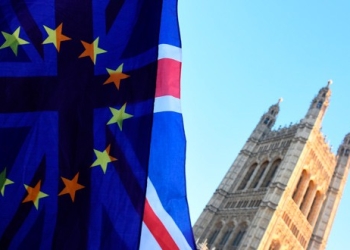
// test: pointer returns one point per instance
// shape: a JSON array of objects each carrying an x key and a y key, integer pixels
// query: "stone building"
[{"x": 283, "y": 189}]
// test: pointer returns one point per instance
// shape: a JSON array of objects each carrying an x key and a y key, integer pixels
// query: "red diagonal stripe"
[{"x": 157, "y": 228}]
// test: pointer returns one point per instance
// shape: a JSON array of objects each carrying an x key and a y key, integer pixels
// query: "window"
[
  {"x": 213, "y": 236},
  {"x": 312, "y": 208},
  {"x": 270, "y": 123},
  {"x": 319, "y": 104},
  {"x": 270, "y": 174},
  {"x": 298, "y": 185},
  {"x": 245, "y": 203},
  {"x": 258, "y": 175},
  {"x": 238, "y": 238},
  {"x": 228, "y": 204},
  {"x": 315, "y": 207},
  {"x": 275, "y": 245},
  {"x": 247, "y": 176},
  {"x": 301, "y": 188},
  {"x": 266, "y": 120},
  {"x": 304, "y": 206},
  {"x": 295, "y": 230},
  {"x": 225, "y": 237}
]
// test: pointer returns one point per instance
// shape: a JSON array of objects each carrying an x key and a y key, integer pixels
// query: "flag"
[{"x": 92, "y": 147}]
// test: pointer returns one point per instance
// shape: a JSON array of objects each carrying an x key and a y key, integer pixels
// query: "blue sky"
[{"x": 239, "y": 57}]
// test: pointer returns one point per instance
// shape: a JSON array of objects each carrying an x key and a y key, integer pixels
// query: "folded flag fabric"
[{"x": 92, "y": 147}]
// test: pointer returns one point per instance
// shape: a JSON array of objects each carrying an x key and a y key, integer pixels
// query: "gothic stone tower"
[{"x": 283, "y": 189}]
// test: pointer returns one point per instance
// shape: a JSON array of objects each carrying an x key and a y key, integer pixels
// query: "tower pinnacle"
[
  {"x": 319, "y": 106},
  {"x": 330, "y": 82}
]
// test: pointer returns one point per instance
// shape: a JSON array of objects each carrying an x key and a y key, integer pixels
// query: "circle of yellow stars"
[{"x": 103, "y": 158}]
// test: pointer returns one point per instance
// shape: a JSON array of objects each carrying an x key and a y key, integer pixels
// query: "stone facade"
[{"x": 283, "y": 189}]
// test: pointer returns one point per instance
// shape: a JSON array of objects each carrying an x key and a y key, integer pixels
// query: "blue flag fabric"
[{"x": 92, "y": 147}]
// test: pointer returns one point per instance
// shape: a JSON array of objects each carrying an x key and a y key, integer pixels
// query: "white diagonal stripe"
[{"x": 167, "y": 220}]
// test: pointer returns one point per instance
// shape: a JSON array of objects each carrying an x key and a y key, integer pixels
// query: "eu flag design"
[{"x": 92, "y": 147}]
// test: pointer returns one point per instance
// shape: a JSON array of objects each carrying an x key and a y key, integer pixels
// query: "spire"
[
  {"x": 344, "y": 148},
  {"x": 329, "y": 83},
  {"x": 319, "y": 106},
  {"x": 269, "y": 118}
]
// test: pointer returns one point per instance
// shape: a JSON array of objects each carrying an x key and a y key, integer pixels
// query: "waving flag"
[{"x": 92, "y": 147}]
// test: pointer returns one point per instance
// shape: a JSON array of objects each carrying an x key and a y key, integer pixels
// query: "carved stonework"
[{"x": 260, "y": 205}]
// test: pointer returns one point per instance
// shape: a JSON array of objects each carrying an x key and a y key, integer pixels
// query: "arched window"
[
  {"x": 275, "y": 245},
  {"x": 213, "y": 236},
  {"x": 270, "y": 124},
  {"x": 271, "y": 173},
  {"x": 308, "y": 198},
  {"x": 238, "y": 238},
  {"x": 247, "y": 176},
  {"x": 258, "y": 175},
  {"x": 225, "y": 237},
  {"x": 347, "y": 152},
  {"x": 272, "y": 111},
  {"x": 319, "y": 104},
  {"x": 302, "y": 177},
  {"x": 214, "y": 232},
  {"x": 315, "y": 208},
  {"x": 266, "y": 121}
]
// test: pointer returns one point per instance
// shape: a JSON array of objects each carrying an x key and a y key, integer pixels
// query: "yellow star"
[
  {"x": 34, "y": 194},
  {"x": 103, "y": 158},
  {"x": 119, "y": 116},
  {"x": 92, "y": 50},
  {"x": 71, "y": 186},
  {"x": 4, "y": 181},
  {"x": 115, "y": 76},
  {"x": 55, "y": 36},
  {"x": 13, "y": 40}
]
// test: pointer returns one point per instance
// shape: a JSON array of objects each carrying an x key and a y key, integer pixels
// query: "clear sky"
[{"x": 239, "y": 57}]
